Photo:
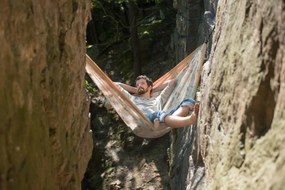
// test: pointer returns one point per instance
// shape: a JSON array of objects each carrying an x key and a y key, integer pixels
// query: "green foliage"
[
  {"x": 149, "y": 29},
  {"x": 90, "y": 87},
  {"x": 154, "y": 18},
  {"x": 89, "y": 46},
  {"x": 112, "y": 22}
]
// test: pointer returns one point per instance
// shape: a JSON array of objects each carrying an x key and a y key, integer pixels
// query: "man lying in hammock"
[{"x": 183, "y": 115}]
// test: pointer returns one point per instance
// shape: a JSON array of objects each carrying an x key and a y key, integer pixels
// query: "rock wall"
[
  {"x": 44, "y": 132},
  {"x": 194, "y": 25},
  {"x": 242, "y": 121},
  {"x": 238, "y": 142}
]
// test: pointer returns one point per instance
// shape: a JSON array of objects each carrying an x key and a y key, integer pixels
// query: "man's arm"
[
  {"x": 171, "y": 83},
  {"x": 166, "y": 92},
  {"x": 127, "y": 87}
]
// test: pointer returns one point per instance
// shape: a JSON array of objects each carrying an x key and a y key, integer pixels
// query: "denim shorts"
[{"x": 162, "y": 114}]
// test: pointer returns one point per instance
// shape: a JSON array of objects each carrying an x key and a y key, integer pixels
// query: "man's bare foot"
[
  {"x": 193, "y": 117},
  {"x": 157, "y": 125},
  {"x": 196, "y": 108}
]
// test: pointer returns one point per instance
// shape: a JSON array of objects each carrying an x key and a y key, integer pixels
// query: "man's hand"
[
  {"x": 128, "y": 88},
  {"x": 172, "y": 82}
]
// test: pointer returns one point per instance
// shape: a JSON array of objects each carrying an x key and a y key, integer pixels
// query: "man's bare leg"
[
  {"x": 182, "y": 111},
  {"x": 176, "y": 121}
]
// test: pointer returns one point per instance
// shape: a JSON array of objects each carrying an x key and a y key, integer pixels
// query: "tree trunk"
[{"x": 134, "y": 38}]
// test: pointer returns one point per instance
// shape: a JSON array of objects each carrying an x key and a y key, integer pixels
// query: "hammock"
[{"x": 187, "y": 74}]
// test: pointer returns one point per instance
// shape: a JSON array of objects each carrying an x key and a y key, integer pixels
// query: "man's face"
[{"x": 142, "y": 86}]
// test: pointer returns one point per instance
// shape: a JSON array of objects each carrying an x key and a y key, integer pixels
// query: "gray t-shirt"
[{"x": 149, "y": 106}]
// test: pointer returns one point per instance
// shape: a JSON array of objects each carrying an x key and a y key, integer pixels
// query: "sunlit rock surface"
[
  {"x": 240, "y": 134},
  {"x": 44, "y": 132}
]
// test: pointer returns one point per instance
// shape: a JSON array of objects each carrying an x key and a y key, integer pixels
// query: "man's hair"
[{"x": 148, "y": 80}]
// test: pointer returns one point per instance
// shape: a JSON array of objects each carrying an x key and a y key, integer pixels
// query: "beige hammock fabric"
[{"x": 187, "y": 74}]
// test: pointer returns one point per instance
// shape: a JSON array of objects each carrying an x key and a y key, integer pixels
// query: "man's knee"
[
  {"x": 188, "y": 103},
  {"x": 182, "y": 111}
]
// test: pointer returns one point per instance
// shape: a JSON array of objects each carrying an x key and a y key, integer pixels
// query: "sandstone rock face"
[
  {"x": 242, "y": 122},
  {"x": 239, "y": 142},
  {"x": 44, "y": 132}
]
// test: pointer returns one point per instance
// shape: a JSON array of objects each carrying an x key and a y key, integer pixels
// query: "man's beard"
[{"x": 141, "y": 91}]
